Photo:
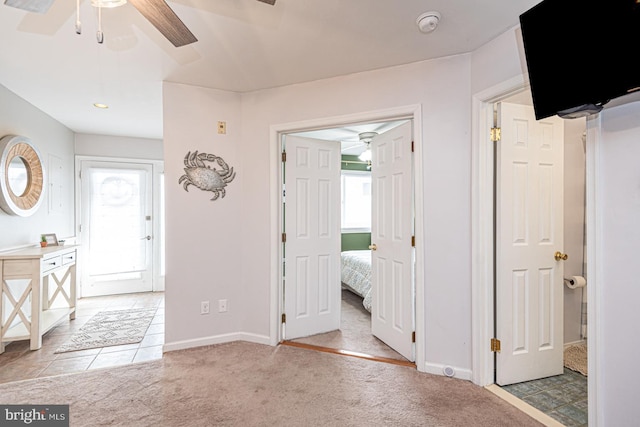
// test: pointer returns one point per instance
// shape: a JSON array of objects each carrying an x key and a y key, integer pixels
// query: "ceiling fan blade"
[
  {"x": 271, "y": 2},
  {"x": 165, "y": 20},
  {"x": 38, "y": 6}
]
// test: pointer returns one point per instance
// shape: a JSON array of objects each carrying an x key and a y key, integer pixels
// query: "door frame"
[
  {"x": 276, "y": 132},
  {"x": 157, "y": 169},
  {"x": 482, "y": 239}
]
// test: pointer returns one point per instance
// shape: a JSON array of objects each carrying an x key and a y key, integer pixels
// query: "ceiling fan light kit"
[{"x": 366, "y": 137}]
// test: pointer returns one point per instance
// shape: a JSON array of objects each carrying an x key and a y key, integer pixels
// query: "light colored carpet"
[
  {"x": 575, "y": 358},
  {"x": 245, "y": 384},
  {"x": 107, "y": 328}
]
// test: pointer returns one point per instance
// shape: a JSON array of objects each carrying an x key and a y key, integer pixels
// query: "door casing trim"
[{"x": 276, "y": 131}]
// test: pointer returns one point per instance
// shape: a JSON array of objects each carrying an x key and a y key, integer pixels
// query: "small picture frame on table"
[{"x": 51, "y": 239}]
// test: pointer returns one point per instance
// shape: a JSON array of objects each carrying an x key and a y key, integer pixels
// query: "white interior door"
[
  {"x": 116, "y": 228},
  {"x": 392, "y": 278},
  {"x": 529, "y": 231},
  {"x": 312, "y": 226}
]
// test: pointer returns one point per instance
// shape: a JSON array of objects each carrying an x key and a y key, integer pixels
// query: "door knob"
[
  {"x": 559, "y": 256},
  {"x": 373, "y": 247},
  {"x": 146, "y": 238}
]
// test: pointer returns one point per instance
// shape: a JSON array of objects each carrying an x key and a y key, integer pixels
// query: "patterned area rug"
[
  {"x": 575, "y": 358},
  {"x": 109, "y": 328}
]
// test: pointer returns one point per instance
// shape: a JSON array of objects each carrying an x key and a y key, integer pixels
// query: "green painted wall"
[{"x": 354, "y": 241}]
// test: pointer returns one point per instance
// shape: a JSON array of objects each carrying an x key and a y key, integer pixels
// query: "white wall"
[
  {"x": 204, "y": 259},
  {"x": 441, "y": 86},
  {"x": 498, "y": 61},
  {"x": 118, "y": 146},
  {"x": 618, "y": 287},
  {"x": 53, "y": 140}
]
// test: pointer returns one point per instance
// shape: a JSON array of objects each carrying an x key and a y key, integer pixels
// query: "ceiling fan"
[{"x": 157, "y": 12}]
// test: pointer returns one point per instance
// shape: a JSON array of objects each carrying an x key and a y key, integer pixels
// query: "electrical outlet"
[
  {"x": 204, "y": 307},
  {"x": 222, "y": 306}
]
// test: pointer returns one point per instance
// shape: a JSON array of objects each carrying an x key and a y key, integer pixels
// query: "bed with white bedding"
[{"x": 356, "y": 274}]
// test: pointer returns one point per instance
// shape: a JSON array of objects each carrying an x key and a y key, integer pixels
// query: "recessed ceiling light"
[{"x": 100, "y": 105}]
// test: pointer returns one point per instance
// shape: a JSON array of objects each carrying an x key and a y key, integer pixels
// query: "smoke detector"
[{"x": 428, "y": 21}]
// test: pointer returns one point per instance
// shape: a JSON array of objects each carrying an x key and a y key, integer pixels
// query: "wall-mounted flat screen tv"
[{"x": 581, "y": 54}]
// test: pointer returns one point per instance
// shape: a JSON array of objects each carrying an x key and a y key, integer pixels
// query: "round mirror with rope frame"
[{"x": 22, "y": 172}]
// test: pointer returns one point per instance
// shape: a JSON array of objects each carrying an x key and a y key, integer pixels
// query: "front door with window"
[{"x": 116, "y": 228}]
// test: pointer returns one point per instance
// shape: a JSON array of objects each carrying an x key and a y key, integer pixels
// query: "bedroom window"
[{"x": 356, "y": 201}]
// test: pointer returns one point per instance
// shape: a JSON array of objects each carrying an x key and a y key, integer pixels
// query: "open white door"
[
  {"x": 312, "y": 227},
  {"x": 392, "y": 278},
  {"x": 529, "y": 231}
]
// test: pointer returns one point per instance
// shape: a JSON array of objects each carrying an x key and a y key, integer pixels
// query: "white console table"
[{"x": 27, "y": 279}]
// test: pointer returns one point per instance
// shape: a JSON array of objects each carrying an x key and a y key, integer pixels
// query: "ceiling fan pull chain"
[
  {"x": 78, "y": 24},
  {"x": 100, "y": 34}
]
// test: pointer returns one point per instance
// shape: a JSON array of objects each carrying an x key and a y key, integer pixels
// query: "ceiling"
[{"x": 244, "y": 45}]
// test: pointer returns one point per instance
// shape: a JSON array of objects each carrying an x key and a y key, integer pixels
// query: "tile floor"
[
  {"x": 19, "y": 363},
  {"x": 562, "y": 397}
]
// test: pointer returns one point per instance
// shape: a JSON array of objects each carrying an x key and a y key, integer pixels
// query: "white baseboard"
[
  {"x": 568, "y": 344},
  {"x": 216, "y": 339},
  {"x": 438, "y": 369}
]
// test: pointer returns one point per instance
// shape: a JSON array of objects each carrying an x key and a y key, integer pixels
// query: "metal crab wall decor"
[{"x": 203, "y": 176}]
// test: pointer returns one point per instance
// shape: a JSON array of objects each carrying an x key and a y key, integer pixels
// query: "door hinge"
[
  {"x": 284, "y": 318},
  {"x": 284, "y": 157},
  {"x": 80, "y": 174},
  {"x": 495, "y": 345},
  {"x": 496, "y": 133},
  {"x": 413, "y": 336},
  {"x": 412, "y": 146},
  {"x": 284, "y": 237},
  {"x": 413, "y": 241}
]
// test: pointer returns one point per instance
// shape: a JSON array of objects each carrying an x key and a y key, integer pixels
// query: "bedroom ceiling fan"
[{"x": 157, "y": 12}]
